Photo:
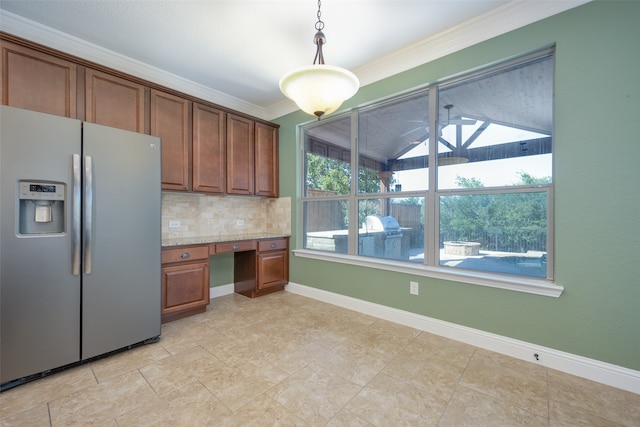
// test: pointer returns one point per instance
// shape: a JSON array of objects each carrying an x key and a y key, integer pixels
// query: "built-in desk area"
[{"x": 261, "y": 266}]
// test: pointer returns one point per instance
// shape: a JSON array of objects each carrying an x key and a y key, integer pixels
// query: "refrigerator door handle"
[
  {"x": 88, "y": 213},
  {"x": 75, "y": 217}
]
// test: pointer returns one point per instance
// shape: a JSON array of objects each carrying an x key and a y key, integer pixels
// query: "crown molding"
[
  {"x": 511, "y": 16},
  {"x": 501, "y": 20},
  {"x": 46, "y": 36}
]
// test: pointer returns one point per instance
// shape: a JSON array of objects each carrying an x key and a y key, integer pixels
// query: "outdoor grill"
[
  {"x": 387, "y": 224},
  {"x": 383, "y": 237}
]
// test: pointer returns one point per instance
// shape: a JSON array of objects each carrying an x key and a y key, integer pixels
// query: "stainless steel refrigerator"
[{"x": 80, "y": 212}]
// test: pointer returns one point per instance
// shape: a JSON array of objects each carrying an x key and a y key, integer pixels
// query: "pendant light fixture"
[{"x": 319, "y": 89}]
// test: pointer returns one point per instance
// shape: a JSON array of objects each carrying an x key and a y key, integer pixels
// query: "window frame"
[{"x": 431, "y": 266}]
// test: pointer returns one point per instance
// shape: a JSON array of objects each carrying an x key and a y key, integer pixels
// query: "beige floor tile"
[
  {"x": 351, "y": 361},
  {"x": 236, "y": 386},
  {"x": 234, "y": 349},
  {"x": 420, "y": 370},
  {"x": 102, "y": 403},
  {"x": 291, "y": 353},
  {"x": 347, "y": 419},
  {"x": 576, "y": 400},
  {"x": 262, "y": 411},
  {"x": 128, "y": 361},
  {"x": 186, "y": 333},
  {"x": 385, "y": 338},
  {"x": 470, "y": 408},
  {"x": 435, "y": 347},
  {"x": 387, "y": 401},
  {"x": 191, "y": 406},
  {"x": 314, "y": 394},
  {"x": 520, "y": 383},
  {"x": 32, "y": 394},
  {"x": 180, "y": 369},
  {"x": 38, "y": 416},
  {"x": 287, "y": 360}
]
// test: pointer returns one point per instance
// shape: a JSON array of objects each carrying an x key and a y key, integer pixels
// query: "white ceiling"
[{"x": 233, "y": 52}]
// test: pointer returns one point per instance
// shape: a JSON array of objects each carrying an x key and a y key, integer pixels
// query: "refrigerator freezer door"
[
  {"x": 39, "y": 296},
  {"x": 121, "y": 294}
]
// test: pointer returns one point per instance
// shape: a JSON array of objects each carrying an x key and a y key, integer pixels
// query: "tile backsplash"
[{"x": 205, "y": 215}]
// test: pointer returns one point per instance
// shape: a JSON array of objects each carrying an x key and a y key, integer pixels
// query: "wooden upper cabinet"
[
  {"x": 37, "y": 81},
  {"x": 204, "y": 149},
  {"x": 170, "y": 121},
  {"x": 266, "y": 160},
  {"x": 209, "y": 149},
  {"x": 115, "y": 102},
  {"x": 240, "y": 155}
]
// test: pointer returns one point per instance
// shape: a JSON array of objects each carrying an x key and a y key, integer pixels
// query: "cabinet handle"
[
  {"x": 185, "y": 255},
  {"x": 236, "y": 247},
  {"x": 273, "y": 246}
]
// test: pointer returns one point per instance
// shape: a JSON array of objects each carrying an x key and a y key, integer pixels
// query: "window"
[{"x": 456, "y": 176}]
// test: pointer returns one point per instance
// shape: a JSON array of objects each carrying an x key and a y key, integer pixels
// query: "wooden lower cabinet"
[
  {"x": 263, "y": 271},
  {"x": 185, "y": 282},
  {"x": 261, "y": 266}
]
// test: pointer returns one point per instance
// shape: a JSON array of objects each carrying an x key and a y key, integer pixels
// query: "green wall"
[
  {"x": 597, "y": 199},
  {"x": 221, "y": 268}
]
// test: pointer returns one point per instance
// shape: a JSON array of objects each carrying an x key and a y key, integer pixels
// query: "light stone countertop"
[{"x": 205, "y": 240}]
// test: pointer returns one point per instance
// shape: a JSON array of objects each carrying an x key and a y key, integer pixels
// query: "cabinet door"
[
  {"x": 239, "y": 155},
  {"x": 273, "y": 269},
  {"x": 184, "y": 287},
  {"x": 36, "y": 81},
  {"x": 266, "y": 160},
  {"x": 170, "y": 121},
  {"x": 209, "y": 149},
  {"x": 115, "y": 102}
]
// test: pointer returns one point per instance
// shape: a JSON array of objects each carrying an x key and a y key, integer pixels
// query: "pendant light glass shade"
[{"x": 319, "y": 89}]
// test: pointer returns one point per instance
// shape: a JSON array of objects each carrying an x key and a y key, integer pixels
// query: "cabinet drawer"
[
  {"x": 271, "y": 245},
  {"x": 184, "y": 254},
  {"x": 248, "y": 245}
]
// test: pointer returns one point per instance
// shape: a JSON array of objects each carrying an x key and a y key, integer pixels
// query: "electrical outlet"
[
  {"x": 413, "y": 288},
  {"x": 174, "y": 224},
  {"x": 239, "y": 221}
]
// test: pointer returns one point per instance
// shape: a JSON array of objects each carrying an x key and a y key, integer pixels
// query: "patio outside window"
[{"x": 457, "y": 175}]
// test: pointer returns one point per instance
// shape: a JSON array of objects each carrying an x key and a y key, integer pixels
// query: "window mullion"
[
  {"x": 353, "y": 202},
  {"x": 430, "y": 211}
]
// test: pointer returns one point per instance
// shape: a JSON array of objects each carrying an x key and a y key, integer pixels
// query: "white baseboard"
[
  {"x": 602, "y": 372},
  {"x": 219, "y": 291}
]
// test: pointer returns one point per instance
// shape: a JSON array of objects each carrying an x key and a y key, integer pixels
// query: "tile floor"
[{"x": 287, "y": 360}]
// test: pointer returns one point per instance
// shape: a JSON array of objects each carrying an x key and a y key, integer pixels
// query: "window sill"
[{"x": 512, "y": 283}]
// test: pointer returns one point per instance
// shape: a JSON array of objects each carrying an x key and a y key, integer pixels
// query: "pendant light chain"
[
  {"x": 319, "y": 39},
  {"x": 319, "y": 24}
]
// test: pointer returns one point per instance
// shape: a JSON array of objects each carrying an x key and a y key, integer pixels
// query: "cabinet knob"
[
  {"x": 185, "y": 255},
  {"x": 273, "y": 245},
  {"x": 236, "y": 247}
]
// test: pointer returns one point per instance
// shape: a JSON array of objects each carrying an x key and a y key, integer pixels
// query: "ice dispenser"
[{"x": 41, "y": 207}]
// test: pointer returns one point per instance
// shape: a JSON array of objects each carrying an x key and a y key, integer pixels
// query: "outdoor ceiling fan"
[
  {"x": 459, "y": 121},
  {"x": 456, "y": 120}
]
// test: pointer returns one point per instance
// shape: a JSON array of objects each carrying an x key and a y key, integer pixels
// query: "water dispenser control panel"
[{"x": 41, "y": 191}]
